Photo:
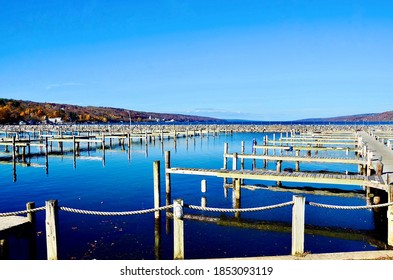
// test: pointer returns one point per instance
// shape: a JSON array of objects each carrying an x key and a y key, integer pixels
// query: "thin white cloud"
[{"x": 62, "y": 85}]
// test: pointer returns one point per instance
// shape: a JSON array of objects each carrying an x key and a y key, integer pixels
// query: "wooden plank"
[
  {"x": 279, "y": 176},
  {"x": 10, "y": 222}
]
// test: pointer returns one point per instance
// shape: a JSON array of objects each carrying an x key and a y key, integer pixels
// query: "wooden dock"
[
  {"x": 371, "y": 155},
  {"x": 298, "y": 158},
  {"x": 306, "y": 148},
  {"x": 11, "y": 222},
  {"x": 382, "y": 161},
  {"x": 8, "y": 226},
  {"x": 262, "y": 175}
]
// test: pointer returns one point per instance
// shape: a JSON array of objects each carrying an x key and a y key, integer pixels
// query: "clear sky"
[{"x": 245, "y": 59}]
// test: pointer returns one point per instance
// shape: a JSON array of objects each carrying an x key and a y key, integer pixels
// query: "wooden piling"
[
  {"x": 51, "y": 221},
  {"x": 157, "y": 187},
  {"x": 103, "y": 141},
  {"x": 234, "y": 162},
  {"x": 278, "y": 169},
  {"x": 379, "y": 170},
  {"x": 254, "y": 152},
  {"x": 157, "y": 239},
  {"x": 178, "y": 230},
  {"x": 278, "y": 166},
  {"x": 46, "y": 156},
  {"x": 390, "y": 215},
  {"x": 203, "y": 186},
  {"x": 298, "y": 214},
  {"x": 237, "y": 189},
  {"x": 13, "y": 150},
  {"x": 203, "y": 201},
  {"x": 242, "y": 159},
  {"x": 168, "y": 175},
  {"x": 30, "y": 215},
  {"x": 369, "y": 159},
  {"x": 24, "y": 153},
  {"x": 225, "y": 156}
]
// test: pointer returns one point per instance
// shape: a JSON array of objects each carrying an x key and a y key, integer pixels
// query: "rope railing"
[
  {"x": 194, "y": 207},
  {"x": 23, "y": 212},
  {"x": 339, "y": 207},
  {"x": 298, "y": 217},
  {"x": 124, "y": 213},
  {"x": 231, "y": 210}
]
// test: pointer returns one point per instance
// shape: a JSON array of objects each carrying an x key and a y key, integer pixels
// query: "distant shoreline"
[{"x": 227, "y": 127}]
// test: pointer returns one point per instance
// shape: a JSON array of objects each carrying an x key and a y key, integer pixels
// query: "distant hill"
[
  {"x": 372, "y": 117},
  {"x": 14, "y": 111}
]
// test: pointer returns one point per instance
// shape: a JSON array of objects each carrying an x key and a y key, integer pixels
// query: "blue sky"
[{"x": 258, "y": 60}]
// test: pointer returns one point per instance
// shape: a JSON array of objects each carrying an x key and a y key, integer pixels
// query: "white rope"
[
  {"x": 125, "y": 213},
  {"x": 339, "y": 207},
  {"x": 24, "y": 212},
  {"x": 224, "y": 210}
]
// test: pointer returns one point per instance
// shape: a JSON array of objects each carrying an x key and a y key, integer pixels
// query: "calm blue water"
[{"x": 125, "y": 182}]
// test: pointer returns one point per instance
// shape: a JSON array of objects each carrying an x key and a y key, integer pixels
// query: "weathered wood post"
[
  {"x": 51, "y": 221},
  {"x": 178, "y": 230},
  {"x": 129, "y": 140},
  {"x": 225, "y": 156},
  {"x": 103, "y": 141},
  {"x": 297, "y": 164},
  {"x": 278, "y": 166},
  {"x": 157, "y": 187},
  {"x": 24, "y": 153},
  {"x": 203, "y": 201},
  {"x": 225, "y": 160},
  {"x": 236, "y": 195},
  {"x": 46, "y": 156},
  {"x": 237, "y": 188},
  {"x": 203, "y": 186},
  {"x": 379, "y": 170},
  {"x": 30, "y": 206},
  {"x": 254, "y": 152},
  {"x": 278, "y": 169},
  {"x": 103, "y": 148},
  {"x": 14, "y": 158},
  {"x": 390, "y": 214},
  {"x": 157, "y": 239},
  {"x": 274, "y": 141},
  {"x": 234, "y": 162},
  {"x": 30, "y": 215},
  {"x": 369, "y": 159},
  {"x": 298, "y": 214},
  {"x": 242, "y": 159},
  {"x": 167, "y": 177},
  {"x": 266, "y": 151},
  {"x": 13, "y": 150}
]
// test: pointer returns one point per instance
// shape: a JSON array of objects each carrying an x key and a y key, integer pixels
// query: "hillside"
[
  {"x": 14, "y": 111},
  {"x": 372, "y": 117}
]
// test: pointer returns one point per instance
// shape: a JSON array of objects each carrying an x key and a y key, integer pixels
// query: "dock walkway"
[
  {"x": 359, "y": 180},
  {"x": 381, "y": 152},
  {"x": 7, "y": 223}
]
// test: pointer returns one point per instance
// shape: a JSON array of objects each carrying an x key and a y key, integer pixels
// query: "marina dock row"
[
  {"x": 374, "y": 158},
  {"x": 372, "y": 148}
]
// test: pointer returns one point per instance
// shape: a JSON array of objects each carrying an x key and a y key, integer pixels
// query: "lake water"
[{"x": 124, "y": 182}]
